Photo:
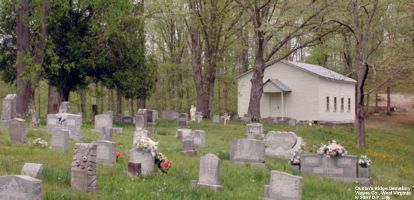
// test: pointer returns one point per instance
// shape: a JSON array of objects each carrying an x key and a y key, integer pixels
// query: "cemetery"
[{"x": 206, "y": 100}]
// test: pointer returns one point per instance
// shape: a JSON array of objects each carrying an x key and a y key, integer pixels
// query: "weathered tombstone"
[
  {"x": 343, "y": 166},
  {"x": 193, "y": 110},
  {"x": 169, "y": 115},
  {"x": 254, "y": 131},
  {"x": 60, "y": 140},
  {"x": 188, "y": 146},
  {"x": 64, "y": 107},
  {"x": 282, "y": 144},
  {"x": 105, "y": 152},
  {"x": 106, "y": 133},
  {"x": 183, "y": 132},
  {"x": 364, "y": 172},
  {"x": 127, "y": 120},
  {"x": 83, "y": 168},
  {"x": 150, "y": 118},
  {"x": 283, "y": 186},
  {"x": 141, "y": 119},
  {"x": 103, "y": 120},
  {"x": 32, "y": 169},
  {"x": 198, "y": 116},
  {"x": 247, "y": 119},
  {"x": 155, "y": 115},
  {"x": 248, "y": 151},
  {"x": 71, "y": 122},
  {"x": 134, "y": 169},
  {"x": 209, "y": 173},
  {"x": 146, "y": 160},
  {"x": 20, "y": 187},
  {"x": 216, "y": 119},
  {"x": 17, "y": 131},
  {"x": 199, "y": 138},
  {"x": 117, "y": 118},
  {"x": 9, "y": 109},
  {"x": 292, "y": 122},
  {"x": 182, "y": 120}
]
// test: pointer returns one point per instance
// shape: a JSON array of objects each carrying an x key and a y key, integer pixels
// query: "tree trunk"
[
  {"x": 360, "y": 107},
  {"x": 101, "y": 97},
  {"x": 196, "y": 50},
  {"x": 25, "y": 93},
  {"x": 132, "y": 107},
  {"x": 376, "y": 103},
  {"x": 388, "y": 100},
  {"x": 118, "y": 103},
  {"x": 112, "y": 99},
  {"x": 82, "y": 94},
  {"x": 258, "y": 68},
  {"x": 54, "y": 99}
]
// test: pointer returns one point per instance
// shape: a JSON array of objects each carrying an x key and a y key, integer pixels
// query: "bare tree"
[{"x": 276, "y": 24}]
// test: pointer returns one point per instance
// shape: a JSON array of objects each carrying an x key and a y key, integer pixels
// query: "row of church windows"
[{"x": 335, "y": 105}]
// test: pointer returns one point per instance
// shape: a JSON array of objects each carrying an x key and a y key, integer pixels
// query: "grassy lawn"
[{"x": 391, "y": 150}]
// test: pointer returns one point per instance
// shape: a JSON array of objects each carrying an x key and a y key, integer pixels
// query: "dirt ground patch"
[{"x": 404, "y": 115}]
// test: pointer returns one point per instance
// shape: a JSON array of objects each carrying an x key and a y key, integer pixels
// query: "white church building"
[{"x": 301, "y": 91}]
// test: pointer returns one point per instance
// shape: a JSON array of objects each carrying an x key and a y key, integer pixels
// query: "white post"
[{"x": 283, "y": 106}]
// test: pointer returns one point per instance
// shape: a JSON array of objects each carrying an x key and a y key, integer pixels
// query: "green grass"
[{"x": 390, "y": 149}]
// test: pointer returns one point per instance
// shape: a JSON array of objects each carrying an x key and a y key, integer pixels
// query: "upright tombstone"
[
  {"x": 283, "y": 186},
  {"x": 106, "y": 133},
  {"x": 342, "y": 168},
  {"x": 71, "y": 122},
  {"x": 169, "y": 115},
  {"x": 193, "y": 110},
  {"x": 60, "y": 140},
  {"x": 105, "y": 152},
  {"x": 198, "y": 116},
  {"x": 20, "y": 187},
  {"x": 103, "y": 120},
  {"x": 183, "y": 120},
  {"x": 282, "y": 144},
  {"x": 254, "y": 131},
  {"x": 188, "y": 146},
  {"x": 141, "y": 119},
  {"x": 150, "y": 118},
  {"x": 145, "y": 158},
  {"x": 209, "y": 173},
  {"x": 32, "y": 169},
  {"x": 17, "y": 131},
  {"x": 64, "y": 107},
  {"x": 127, "y": 120},
  {"x": 216, "y": 119},
  {"x": 248, "y": 151},
  {"x": 83, "y": 169},
  {"x": 247, "y": 119},
  {"x": 155, "y": 115},
  {"x": 183, "y": 132},
  {"x": 9, "y": 109},
  {"x": 199, "y": 138}
]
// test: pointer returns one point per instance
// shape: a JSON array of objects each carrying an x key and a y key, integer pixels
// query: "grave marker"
[
  {"x": 60, "y": 140},
  {"x": 248, "y": 151},
  {"x": 283, "y": 186},
  {"x": 83, "y": 168},
  {"x": 105, "y": 152},
  {"x": 209, "y": 173},
  {"x": 17, "y": 131},
  {"x": 32, "y": 169},
  {"x": 20, "y": 187}
]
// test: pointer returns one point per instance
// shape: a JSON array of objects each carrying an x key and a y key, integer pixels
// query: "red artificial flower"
[
  {"x": 118, "y": 154},
  {"x": 166, "y": 164}
]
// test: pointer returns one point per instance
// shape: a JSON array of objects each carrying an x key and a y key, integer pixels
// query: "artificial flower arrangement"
[
  {"x": 144, "y": 143},
  {"x": 117, "y": 155},
  {"x": 364, "y": 161},
  {"x": 332, "y": 150},
  {"x": 40, "y": 142}
]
